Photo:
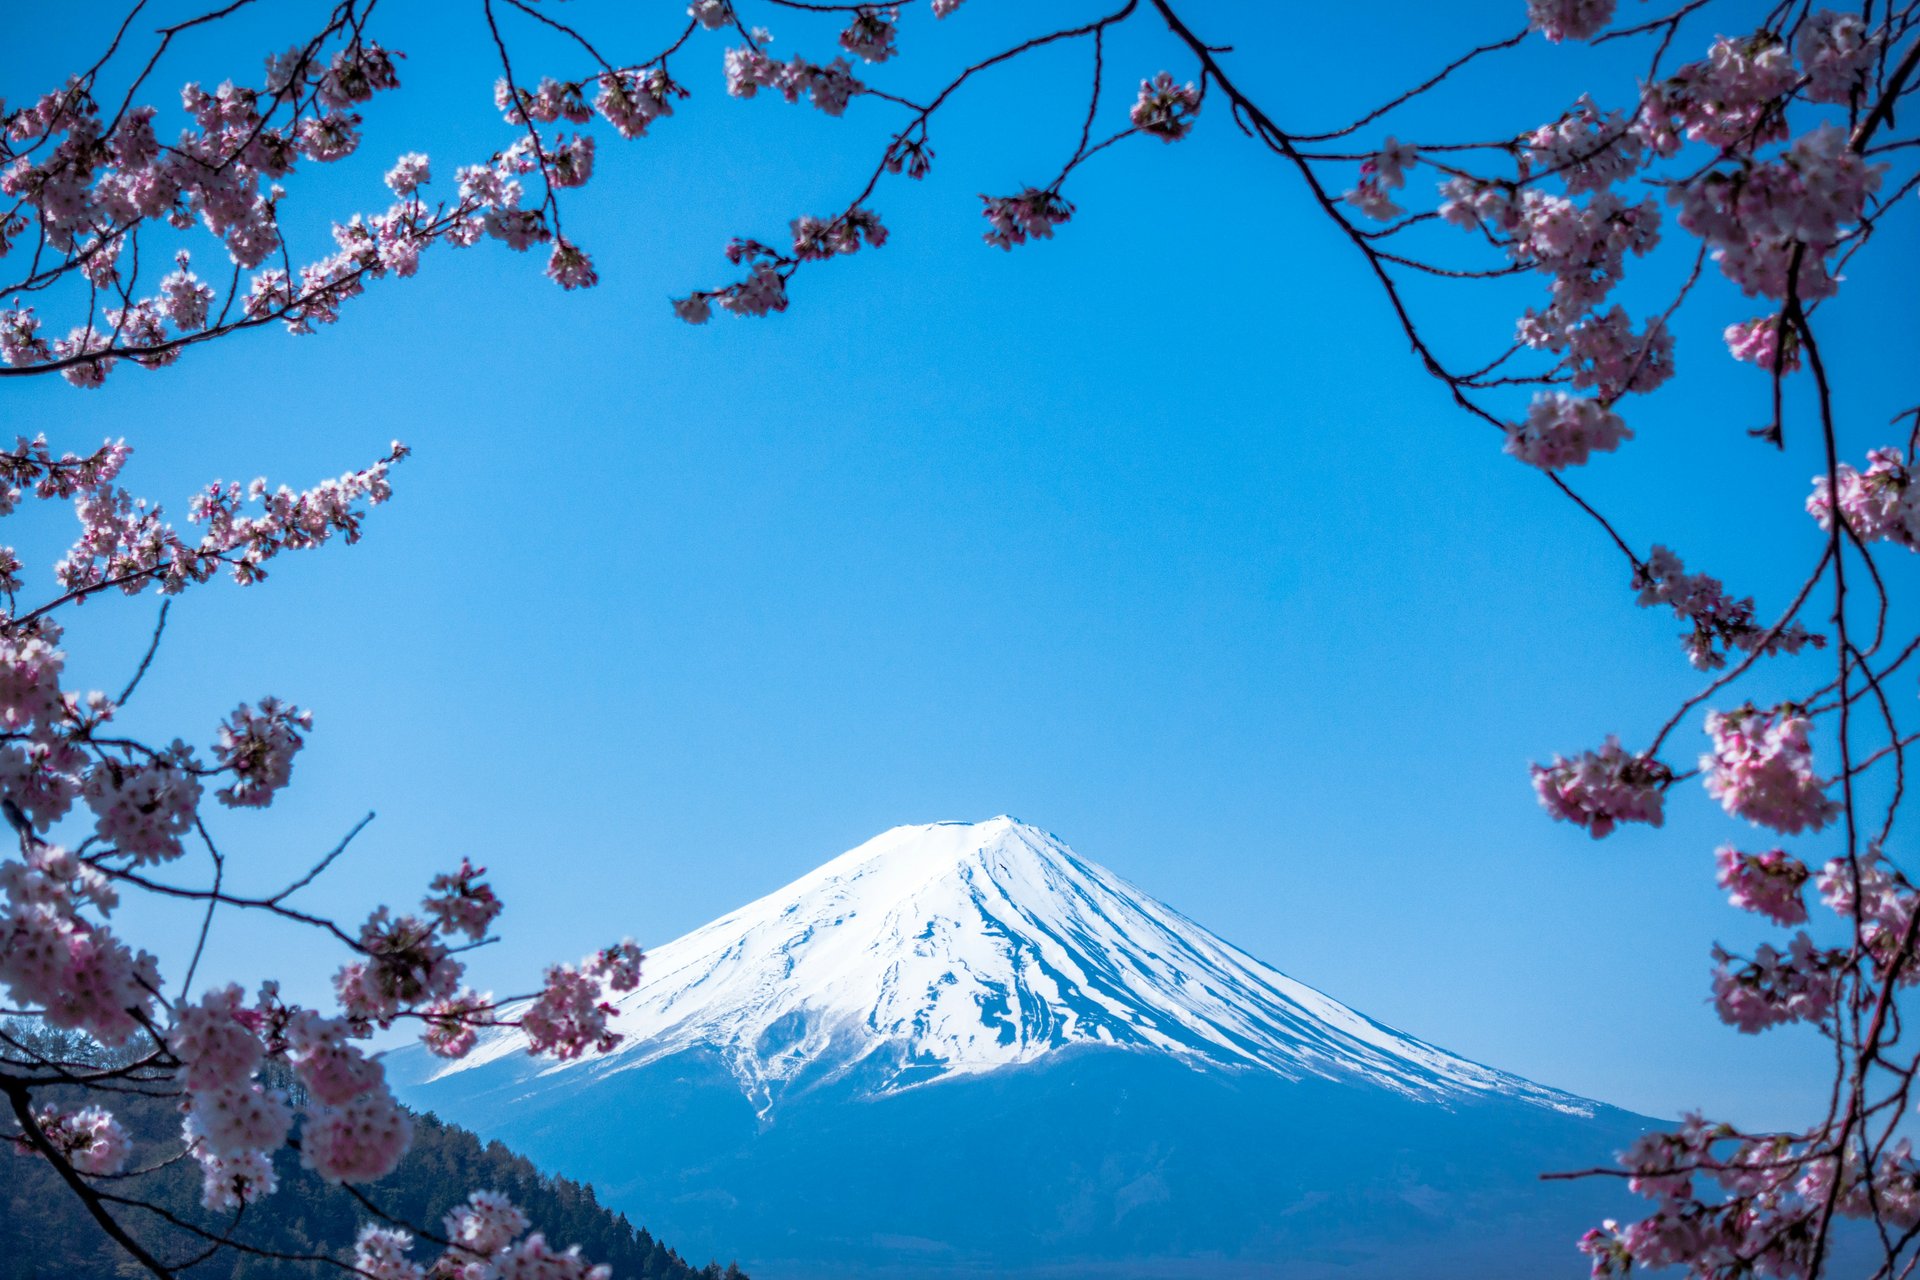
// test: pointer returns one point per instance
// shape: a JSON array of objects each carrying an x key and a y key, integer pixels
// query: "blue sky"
[{"x": 1152, "y": 535}]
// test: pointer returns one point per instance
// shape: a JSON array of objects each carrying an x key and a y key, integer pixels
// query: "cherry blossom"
[
  {"x": 1600, "y": 789},
  {"x": 1878, "y": 503},
  {"x": 487, "y": 1223},
  {"x": 459, "y": 903},
  {"x": 569, "y": 1017},
  {"x": 870, "y": 36},
  {"x": 1761, "y": 769},
  {"x": 380, "y": 1253},
  {"x": 216, "y": 1041},
  {"x": 1166, "y": 110},
  {"x": 1836, "y": 50},
  {"x": 357, "y": 1141},
  {"x": 1775, "y": 987},
  {"x": 89, "y": 1139},
  {"x": 1033, "y": 214},
  {"x": 1564, "y": 431},
  {"x": 1768, "y": 883},
  {"x": 1569, "y": 19},
  {"x": 232, "y": 1120},
  {"x": 1762, "y": 341},
  {"x": 1721, "y": 624},
  {"x": 259, "y": 746}
]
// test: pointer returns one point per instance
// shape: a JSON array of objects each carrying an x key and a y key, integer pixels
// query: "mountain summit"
[
  {"x": 962, "y": 1049},
  {"x": 955, "y": 948}
]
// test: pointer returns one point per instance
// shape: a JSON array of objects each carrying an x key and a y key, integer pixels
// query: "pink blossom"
[
  {"x": 43, "y": 778},
  {"x": 1662, "y": 1164},
  {"x": 1564, "y": 431},
  {"x": 459, "y": 903},
  {"x": 632, "y": 102},
  {"x": 228, "y": 1182},
  {"x": 1587, "y": 149},
  {"x": 1767, "y": 883},
  {"x": 144, "y": 809},
  {"x": 1880, "y": 502},
  {"x": 216, "y": 1041},
  {"x": 1761, "y": 769},
  {"x": 1836, "y": 51},
  {"x": 380, "y": 1253},
  {"x": 1721, "y": 624},
  {"x": 452, "y": 1025},
  {"x": 356, "y": 1142},
  {"x": 333, "y": 1069},
  {"x": 570, "y": 268},
  {"x": 405, "y": 965},
  {"x": 1165, "y": 110},
  {"x": 409, "y": 173},
  {"x": 1033, "y": 214},
  {"x": 89, "y": 1139},
  {"x": 77, "y": 973},
  {"x": 1569, "y": 19},
  {"x": 1381, "y": 174},
  {"x": 30, "y": 668},
  {"x": 233, "y": 1119},
  {"x": 185, "y": 299},
  {"x": 711, "y": 14},
  {"x": 1599, "y": 789},
  {"x": 694, "y": 310},
  {"x": 619, "y": 965},
  {"x": 815, "y": 240},
  {"x": 568, "y": 1017},
  {"x": 1606, "y": 356},
  {"x": 1726, "y": 101},
  {"x": 1759, "y": 341},
  {"x": 763, "y": 291},
  {"x": 1873, "y": 892},
  {"x": 487, "y": 1223},
  {"x": 259, "y": 748},
  {"x": 534, "y": 1259},
  {"x": 870, "y": 36},
  {"x": 1776, "y": 987}
]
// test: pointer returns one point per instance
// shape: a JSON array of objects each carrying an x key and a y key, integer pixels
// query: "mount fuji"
[{"x": 961, "y": 1049}]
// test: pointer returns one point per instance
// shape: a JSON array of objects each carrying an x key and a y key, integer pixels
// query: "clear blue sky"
[{"x": 1152, "y": 535}]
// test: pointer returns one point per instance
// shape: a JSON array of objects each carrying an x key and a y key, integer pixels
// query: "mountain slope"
[
  {"x": 962, "y": 1049},
  {"x": 958, "y": 948}
]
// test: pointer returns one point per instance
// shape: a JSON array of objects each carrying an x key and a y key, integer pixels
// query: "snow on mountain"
[{"x": 955, "y": 949}]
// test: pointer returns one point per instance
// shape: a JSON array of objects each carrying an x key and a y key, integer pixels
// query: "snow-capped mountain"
[
  {"x": 957, "y": 948},
  {"x": 962, "y": 1049}
]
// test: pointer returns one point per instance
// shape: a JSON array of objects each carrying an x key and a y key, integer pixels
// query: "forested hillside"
[{"x": 47, "y": 1234}]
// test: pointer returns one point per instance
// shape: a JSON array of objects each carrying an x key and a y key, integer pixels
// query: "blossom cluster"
[
  {"x": 1600, "y": 789},
  {"x": 1164, "y": 108},
  {"x": 1761, "y": 768},
  {"x": 91, "y": 184},
  {"x": 227, "y": 1055},
  {"x": 484, "y": 1241},
  {"x": 1721, "y": 624},
  {"x": 88, "y": 1138},
  {"x": 830, "y": 86},
  {"x": 1031, "y": 215},
  {"x": 1767, "y": 883},
  {"x": 1880, "y": 503},
  {"x": 569, "y": 1016},
  {"x": 1382, "y": 174},
  {"x": 1563, "y": 431}
]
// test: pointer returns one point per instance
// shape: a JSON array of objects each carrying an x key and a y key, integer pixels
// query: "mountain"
[{"x": 963, "y": 1049}]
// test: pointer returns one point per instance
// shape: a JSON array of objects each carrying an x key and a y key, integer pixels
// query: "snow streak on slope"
[{"x": 959, "y": 948}]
